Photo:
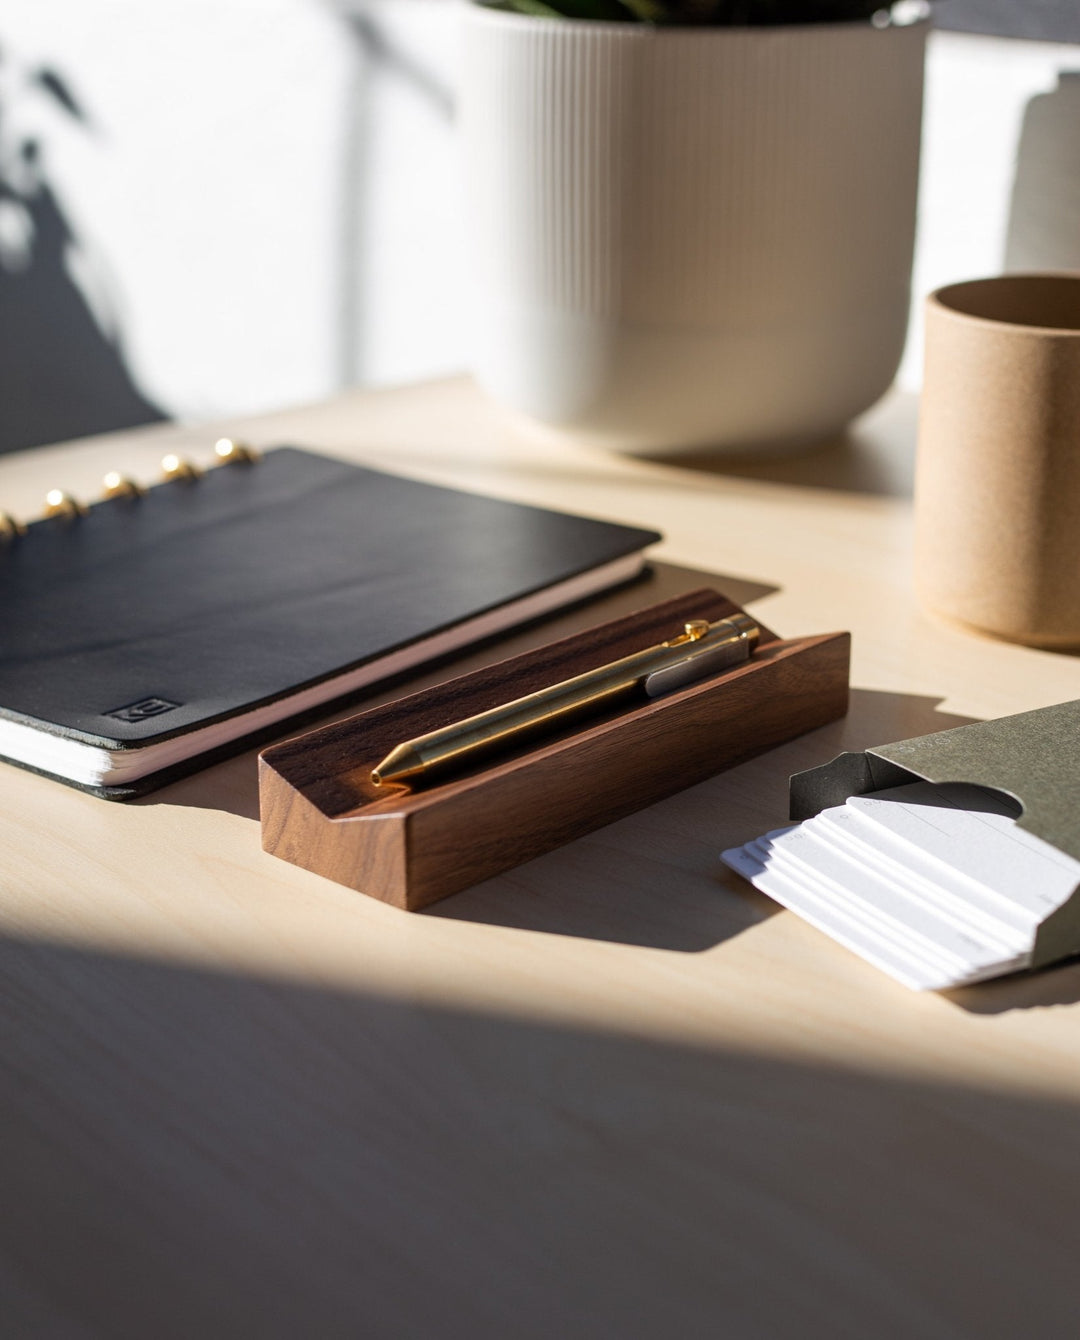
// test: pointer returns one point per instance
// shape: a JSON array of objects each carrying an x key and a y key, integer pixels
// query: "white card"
[
  {"x": 936, "y": 885},
  {"x": 901, "y": 913},
  {"x": 819, "y": 913},
  {"x": 986, "y": 849},
  {"x": 941, "y": 885},
  {"x": 857, "y": 911}
]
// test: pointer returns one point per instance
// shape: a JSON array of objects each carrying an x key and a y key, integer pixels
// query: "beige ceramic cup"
[{"x": 997, "y": 493}]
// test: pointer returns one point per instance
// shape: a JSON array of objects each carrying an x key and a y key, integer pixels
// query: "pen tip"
[{"x": 376, "y": 777}]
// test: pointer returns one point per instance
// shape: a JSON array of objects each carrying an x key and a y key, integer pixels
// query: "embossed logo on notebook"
[{"x": 142, "y": 710}]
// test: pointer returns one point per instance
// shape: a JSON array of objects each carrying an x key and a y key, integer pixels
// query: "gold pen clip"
[{"x": 693, "y": 631}]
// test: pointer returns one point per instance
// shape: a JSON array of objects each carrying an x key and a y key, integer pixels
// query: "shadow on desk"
[
  {"x": 598, "y": 886},
  {"x": 193, "y": 1153},
  {"x": 655, "y": 878},
  {"x": 1057, "y": 985},
  {"x": 852, "y": 462},
  {"x": 863, "y": 459}
]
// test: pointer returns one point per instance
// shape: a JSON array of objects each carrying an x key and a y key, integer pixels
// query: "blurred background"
[{"x": 213, "y": 207}]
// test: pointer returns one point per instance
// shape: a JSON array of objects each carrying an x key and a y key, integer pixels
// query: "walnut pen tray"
[{"x": 321, "y": 811}]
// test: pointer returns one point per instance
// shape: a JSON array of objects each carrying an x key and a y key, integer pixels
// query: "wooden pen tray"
[{"x": 320, "y": 810}]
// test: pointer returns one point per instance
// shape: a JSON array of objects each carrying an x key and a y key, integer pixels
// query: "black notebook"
[{"x": 155, "y": 633}]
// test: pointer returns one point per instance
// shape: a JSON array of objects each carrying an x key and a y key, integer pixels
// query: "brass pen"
[{"x": 701, "y": 649}]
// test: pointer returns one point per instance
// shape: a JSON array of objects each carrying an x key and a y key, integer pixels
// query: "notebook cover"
[
  {"x": 209, "y": 598},
  {"x": 1034, "y": 757}
]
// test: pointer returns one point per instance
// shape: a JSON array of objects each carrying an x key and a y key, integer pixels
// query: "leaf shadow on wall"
[{"x": 61, "y": 374}]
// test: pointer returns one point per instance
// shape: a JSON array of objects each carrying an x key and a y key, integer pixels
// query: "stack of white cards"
[{"x": 934, "y": 884}]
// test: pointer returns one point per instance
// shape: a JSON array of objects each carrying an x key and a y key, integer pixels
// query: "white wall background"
[
  {"x": 207, "y": 189},
  {"x": 266, "y": 199}
]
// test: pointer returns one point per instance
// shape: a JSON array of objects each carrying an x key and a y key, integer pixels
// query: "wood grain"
[{"x": 320, "y": 810}]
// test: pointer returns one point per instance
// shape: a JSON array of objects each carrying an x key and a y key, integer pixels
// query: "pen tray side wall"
[{"x": 320, "y": 811}]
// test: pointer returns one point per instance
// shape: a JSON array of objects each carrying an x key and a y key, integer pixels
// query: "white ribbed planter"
[{"x": 690, "y": 237}]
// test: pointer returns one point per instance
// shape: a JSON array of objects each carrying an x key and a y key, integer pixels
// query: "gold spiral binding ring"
[
  {"x": 230, "y": 452},
  {"x": 61, "y": 504},
  {"x": 58, "y": 503},
  {"x": 116, "y": 485},
  {"x": 178, "y": 468}
]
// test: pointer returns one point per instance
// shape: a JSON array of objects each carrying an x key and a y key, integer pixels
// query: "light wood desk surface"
[{"x": 614, "y": 1093}]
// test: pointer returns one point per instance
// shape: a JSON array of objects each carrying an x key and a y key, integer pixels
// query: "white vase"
[{"x": 690, "y": 237}]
